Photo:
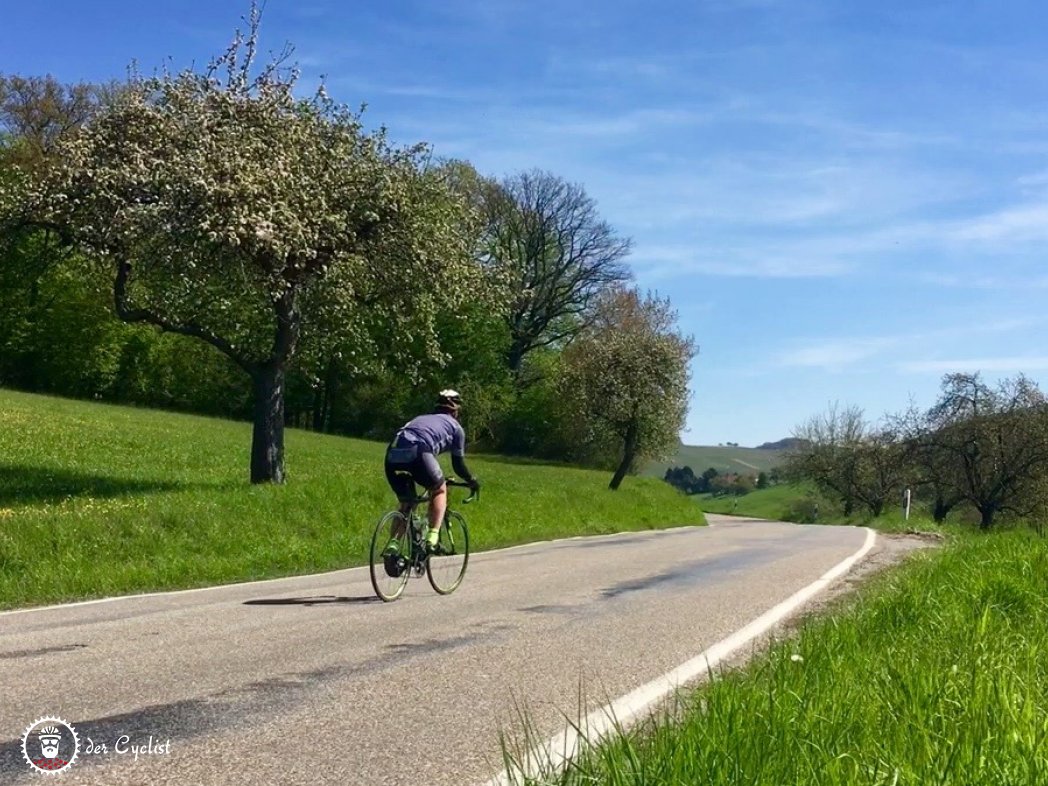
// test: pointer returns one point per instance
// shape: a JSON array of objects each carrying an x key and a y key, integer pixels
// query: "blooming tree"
[
  {"x": 626, "y": 379},
  {"x": 231, "y": 211}
]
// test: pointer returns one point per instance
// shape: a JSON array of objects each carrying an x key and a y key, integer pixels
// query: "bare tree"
[
  {"x": 38, "y": 112},
  {"x": 935, "y": 474},
  {"x": 827, "y": 454},
  {"x": 988, "y": 446},
  {"x": 881, "y": 469},
  {"x": 546, "y": 238}
]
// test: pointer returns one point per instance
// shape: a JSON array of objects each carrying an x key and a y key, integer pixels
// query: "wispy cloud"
[
  {"x": 717, "y": 175},
  {"x": 437, "y": 91},
  {"x": 673, "y": 261},
  {"x": 977, "y": 280},
  {"x": 1020, "y": 223},
  {"x": 644, "y": 68},
  {"x": 835, "y": 354},
  {"x": 626, "y": 124},
  {"x": 1022, "y": 363}
]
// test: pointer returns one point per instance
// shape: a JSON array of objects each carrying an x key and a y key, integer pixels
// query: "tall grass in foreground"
[
  {"x": 937, "y": 675},
  {"x": 102, "y": 500}
]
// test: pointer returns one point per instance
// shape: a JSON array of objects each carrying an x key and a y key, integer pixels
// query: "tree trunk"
[
  {"x": 267, "y": 439},
  {"x": 629, "y": 452},
  {"x": 514, "y": 357},
  {"x": 332, "y": 385},
  {"x": 940, "y": 511},
  {"x": 987, "y": 514},
  {"x": 620, "y": 473},
  {"x": 318, "y": 406}
]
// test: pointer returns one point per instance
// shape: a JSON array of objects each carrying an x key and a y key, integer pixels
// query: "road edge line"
[
  {"x": 559, "y": 749},
  {"x": 300, "y": 576}
]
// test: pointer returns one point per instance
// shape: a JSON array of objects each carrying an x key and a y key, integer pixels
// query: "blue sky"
[{"x": 843, "y": 200}]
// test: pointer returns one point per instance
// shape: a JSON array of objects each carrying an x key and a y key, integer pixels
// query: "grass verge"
[
  {"x": 936, "y": 674},
  {"x": 101, "y": 500},
  {"x": 800, "y": 503},
  {"x": 775, "y": 502}
]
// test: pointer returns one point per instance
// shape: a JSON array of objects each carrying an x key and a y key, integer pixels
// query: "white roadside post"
[{"x": 906, "y": 504}]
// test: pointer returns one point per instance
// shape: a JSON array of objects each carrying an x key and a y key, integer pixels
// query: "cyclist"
[{"x": 412, "y": 458}]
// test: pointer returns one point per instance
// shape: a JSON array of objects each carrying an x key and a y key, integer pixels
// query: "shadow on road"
[{"x": 314, "y": 601}]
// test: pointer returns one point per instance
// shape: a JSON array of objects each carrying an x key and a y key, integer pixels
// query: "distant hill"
[
  {"x": 722, "y": 458},
  {"x": 790, "y": 443}
]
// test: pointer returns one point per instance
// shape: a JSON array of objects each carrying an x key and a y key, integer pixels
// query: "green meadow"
[{"x": 99, "y": 500}]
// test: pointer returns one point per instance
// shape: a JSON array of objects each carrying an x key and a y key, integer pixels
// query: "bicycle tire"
[
  {"x": 390, "y": 587},
  {"x": 446, "y": 566}
]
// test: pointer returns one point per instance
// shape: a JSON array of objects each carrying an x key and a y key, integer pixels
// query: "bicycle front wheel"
[
  {"x": 446, "y": 566},
  {"x": 390, "y": 553}
]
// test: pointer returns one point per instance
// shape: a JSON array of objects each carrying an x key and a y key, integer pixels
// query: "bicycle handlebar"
[{"x": 462, "y": 484}]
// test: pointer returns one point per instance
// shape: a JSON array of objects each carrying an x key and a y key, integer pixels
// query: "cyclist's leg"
[
  {"x": 400, "y": 480},
  {"x": 438, "y": 504},
  {"x": 429, "y": 475}
]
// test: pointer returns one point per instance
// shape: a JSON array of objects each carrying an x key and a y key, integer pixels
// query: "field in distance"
[{"x": 723, "y": 459}]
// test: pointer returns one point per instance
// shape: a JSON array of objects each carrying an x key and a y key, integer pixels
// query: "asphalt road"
[{"x": 311, "y": 680}]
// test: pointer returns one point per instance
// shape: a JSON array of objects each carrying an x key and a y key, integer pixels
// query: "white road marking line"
[
  {"x": 305, "y": 576},
  {"x": 558, "y": 750}
]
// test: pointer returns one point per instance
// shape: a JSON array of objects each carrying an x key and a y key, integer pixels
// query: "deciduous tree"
[
  {"x": 233, "y": 212},
  {"x": 989, "y": 445},
  {"x": 826, "y": 452},
  {"x": 547, "y": 240},
  {"x": 626, "y": 378}
]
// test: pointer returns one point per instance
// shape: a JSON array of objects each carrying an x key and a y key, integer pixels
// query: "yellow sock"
[{"x": 433, "y": 536}]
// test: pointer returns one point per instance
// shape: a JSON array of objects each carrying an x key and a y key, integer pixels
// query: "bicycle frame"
[
  {"x": 416, "y": 556},
  {"x": 417, "y": 524}
]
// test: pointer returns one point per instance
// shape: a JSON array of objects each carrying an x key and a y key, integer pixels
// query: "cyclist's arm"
[
  {"x": 459, "y": 463},
  {"x": 458, "y": 456}
]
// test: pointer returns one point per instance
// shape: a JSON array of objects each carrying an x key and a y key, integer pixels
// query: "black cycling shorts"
[{"x": 407, "y": 465}]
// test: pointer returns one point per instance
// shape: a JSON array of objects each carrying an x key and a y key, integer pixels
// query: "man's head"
[
  {"x": 49, "y": 741},
  {"x": 450, "y": 402}
]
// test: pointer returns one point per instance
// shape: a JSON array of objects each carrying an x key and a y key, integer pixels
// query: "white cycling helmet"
[{"x": 449, "y": 399}]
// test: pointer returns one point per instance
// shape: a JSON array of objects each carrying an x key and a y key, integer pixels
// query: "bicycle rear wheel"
[
  {"x": 390, "y": 573},
  {"x": 446, "y": 566}
]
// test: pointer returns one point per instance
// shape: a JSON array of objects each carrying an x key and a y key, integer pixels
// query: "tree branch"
[{"x": 129, "y": 314}]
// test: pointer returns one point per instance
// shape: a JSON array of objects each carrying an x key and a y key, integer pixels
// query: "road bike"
[{"x": 444, "y": 564}]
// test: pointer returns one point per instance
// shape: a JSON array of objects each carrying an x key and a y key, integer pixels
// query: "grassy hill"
[
  {"x": 102, "y": 500},
  {"x": 723, "y": 459}
]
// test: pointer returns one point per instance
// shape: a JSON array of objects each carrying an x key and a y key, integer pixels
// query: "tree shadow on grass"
[
  {"x": 523, "y": 461},
  {"x": 23, "y": 485}
]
